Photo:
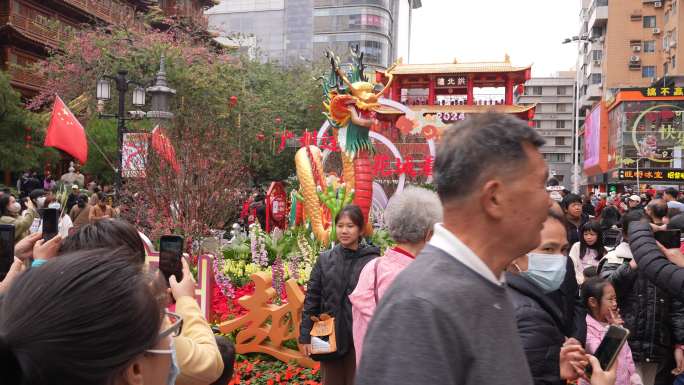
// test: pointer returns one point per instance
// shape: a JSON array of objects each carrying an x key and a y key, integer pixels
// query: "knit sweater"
[{"x": 442, "y": 323}]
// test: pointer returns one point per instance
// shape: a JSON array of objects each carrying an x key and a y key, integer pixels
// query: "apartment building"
[
  {"x": 627, "y": 43},
  {"x": 554, "y": 119}
]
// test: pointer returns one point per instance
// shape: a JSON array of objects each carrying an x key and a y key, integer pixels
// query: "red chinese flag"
[
  {"x": 164, "y": 148},
  {"x": 66, "y": 133}
]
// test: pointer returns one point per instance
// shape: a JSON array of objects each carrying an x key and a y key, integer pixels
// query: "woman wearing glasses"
[{"x": 86, "y": 318}]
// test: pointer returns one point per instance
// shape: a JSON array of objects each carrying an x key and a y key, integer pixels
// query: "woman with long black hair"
[{"x": 589, "y": 250}]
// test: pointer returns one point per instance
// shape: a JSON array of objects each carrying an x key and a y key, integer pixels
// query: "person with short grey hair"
[
  {"x": 409, "y": 217},
  {"x": 447, "y": 317}
]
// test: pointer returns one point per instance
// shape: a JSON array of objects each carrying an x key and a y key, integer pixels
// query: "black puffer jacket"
[
  {"x": 664, "y": 274},
  {"x": 647, "y": 311},
  {"x": 540, "y": 326},
  {"x": 652, "y": 263},
  {"x": 333, "y": 278}
]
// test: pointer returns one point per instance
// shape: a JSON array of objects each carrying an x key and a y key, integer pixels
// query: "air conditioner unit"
[
  {"x": 656, "y": 31},
  {"x": 658, "y": 4},
  {"x": 597, "y": 62},
  {"x": 636, "y": 48},
  {"x": 673, "y": 44},
  {"x": 634, "y": 59}
]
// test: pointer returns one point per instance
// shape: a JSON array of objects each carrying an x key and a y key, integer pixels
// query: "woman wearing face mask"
[
  {"x": 540, "y": 321},
  {"x": 42, "y": 335},
  {"x": 10, "y": 210},
  {"x": 333, "y": 278}
]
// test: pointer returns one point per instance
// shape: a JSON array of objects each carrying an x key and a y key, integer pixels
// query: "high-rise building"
[
  {"x": 292, "y": 31},
  {"x": 554, "y": 119},
  {"x": 630, "y": 43},
  {"x": 370, "y": 24}
]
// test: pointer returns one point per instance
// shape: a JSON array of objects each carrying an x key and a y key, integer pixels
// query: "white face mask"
[
  {"x": 175, "y": 370},
  {"x": 54, "y": 205},
  {"x": 41, "y": 202},
  {"x": 14, "y": 208}
]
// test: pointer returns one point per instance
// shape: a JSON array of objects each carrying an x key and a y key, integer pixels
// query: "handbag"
[{"x": 323, "y": 340}]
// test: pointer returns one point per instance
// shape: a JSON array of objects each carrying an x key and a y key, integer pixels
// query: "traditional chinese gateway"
[
  {"x": 637, "y": 135},
  {"x": 425, "y": 98}
]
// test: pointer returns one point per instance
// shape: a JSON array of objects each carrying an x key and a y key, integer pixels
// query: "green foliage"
[
  {"x": 381, "y": 239},
  {"x": 14, "y": 120}
]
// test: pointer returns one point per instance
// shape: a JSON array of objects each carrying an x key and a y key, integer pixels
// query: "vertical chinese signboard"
[{"x": 134, "y": 154}]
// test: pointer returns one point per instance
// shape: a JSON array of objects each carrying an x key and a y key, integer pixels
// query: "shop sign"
[
  {"x": 652, "y": 174},
  {"x": 451, "y": 81},
  {"x": 662, "y": 91}
]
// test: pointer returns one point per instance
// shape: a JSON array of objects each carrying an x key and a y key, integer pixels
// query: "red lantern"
[
  {"x": 27, "y": 129},
  {"x": 260, "y": 137},
  {"x": 28, "y": 138},
  {"x": 278, "y": 120},
  {"x": 233, "y": 101}
]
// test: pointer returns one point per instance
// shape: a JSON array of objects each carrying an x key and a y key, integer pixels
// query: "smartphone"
[
  {"x": 50, "y": 223},
  {"x": 671, "y": 239},
  {"x": 6, "y": 249},
  {"x": 170, "y": 254},
  {"x": 610, "y": 347}
]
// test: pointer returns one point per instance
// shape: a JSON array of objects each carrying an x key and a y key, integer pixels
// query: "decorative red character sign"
[
  {"x": 382, "y": 166},
  {"x": 276, "y": 207}
]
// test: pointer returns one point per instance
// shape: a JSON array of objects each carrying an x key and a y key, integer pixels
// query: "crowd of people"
[
  {"x": 489, "y": 281},
  {"x": 89, "y": 309}
]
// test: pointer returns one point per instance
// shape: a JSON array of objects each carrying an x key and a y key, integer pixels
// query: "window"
[
  {"x": 649, "y": 21},
  {"x": 648, "y": 71},
  {"x": 596, "y": 54},
  {"x": 536, "y": 90},
  {"x": 560, "y": 141},
  {"x": 560, "y": 91},
  {"x": 674, "y": 61},
  {"x": 595, "y": 78},
  {"x": 560, "y": 124},
  {"x": 555, "y": 157},
  {"x": 560, "y": 107},
  {"x": 536, "y": 123},
  {"x": 649, "y": 46},
  {"x": 665, "y": 68}
]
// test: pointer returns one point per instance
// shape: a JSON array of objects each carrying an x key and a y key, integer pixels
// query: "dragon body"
[{"x": 350, "y": 102}]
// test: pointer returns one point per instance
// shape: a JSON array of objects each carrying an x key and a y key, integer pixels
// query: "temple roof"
[
  {"x": 456, "y": 68},
  {"x": 474, "y": 109}
]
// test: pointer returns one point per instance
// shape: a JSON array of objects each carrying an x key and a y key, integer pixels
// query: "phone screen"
[
  {"x": 50, "y": 221},
  {"x": 170, "y": 251},
  {"x": 671, "y": 239},
  {"x": 6, "y": 249},
  {"x": 610, "y": 347}
]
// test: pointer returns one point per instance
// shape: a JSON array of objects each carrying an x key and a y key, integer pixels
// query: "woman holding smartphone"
[
  {"x": 333, "y": 278},
  {"x": 10, "y": 214}
]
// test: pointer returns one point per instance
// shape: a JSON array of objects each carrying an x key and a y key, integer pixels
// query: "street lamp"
[
  {"x": 413, "y": 4},
  {"x": 160, "y": 103},
  {"x": 576, "y": 165}
]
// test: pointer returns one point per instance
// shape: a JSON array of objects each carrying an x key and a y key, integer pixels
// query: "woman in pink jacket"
[
  {"x": 409, "y": 217},
  {"x": 601, "y": 301}
]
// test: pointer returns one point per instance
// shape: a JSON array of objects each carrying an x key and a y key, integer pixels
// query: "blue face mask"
[
  {"x": 545, "y": 270},
  {"x": 175, "y": 370}
]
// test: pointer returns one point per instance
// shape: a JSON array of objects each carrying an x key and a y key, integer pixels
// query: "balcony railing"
[
  {"x": 109, "y": 11},
  {"x": 24, "y": 78},
  {"x": 48, "y": 35}
]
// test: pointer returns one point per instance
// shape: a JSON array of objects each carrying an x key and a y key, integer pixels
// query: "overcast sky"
[{"x": 530, "y": 31}]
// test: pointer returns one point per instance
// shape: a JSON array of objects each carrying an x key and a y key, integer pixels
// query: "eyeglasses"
[{"x": 174, "y": 330}]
